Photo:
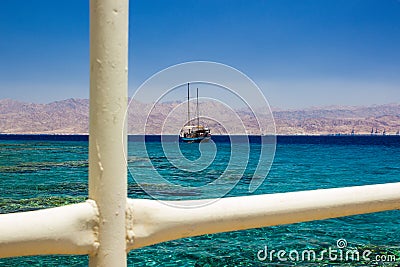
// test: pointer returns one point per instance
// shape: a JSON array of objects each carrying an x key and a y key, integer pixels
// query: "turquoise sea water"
[{"x": 40, "y": 173}]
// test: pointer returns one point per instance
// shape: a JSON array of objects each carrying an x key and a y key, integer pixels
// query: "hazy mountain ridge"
[
  {"x": 66, "y": 116},
  {"x": 71, "y": 116}
]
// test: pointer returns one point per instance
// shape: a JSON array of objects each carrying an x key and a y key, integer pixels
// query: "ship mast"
[
  {"x": 188, "y": 104},
  {"x": 197, "y": 109}
]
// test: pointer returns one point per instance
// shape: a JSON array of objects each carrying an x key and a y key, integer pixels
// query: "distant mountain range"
[{"x": 71, "y": 117}]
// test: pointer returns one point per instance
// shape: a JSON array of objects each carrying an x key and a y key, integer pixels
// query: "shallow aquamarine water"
[{"x": 41, "y": 174}]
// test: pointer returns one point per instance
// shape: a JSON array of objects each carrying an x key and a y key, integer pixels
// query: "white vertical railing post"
[{"x": 107, "y": 136}]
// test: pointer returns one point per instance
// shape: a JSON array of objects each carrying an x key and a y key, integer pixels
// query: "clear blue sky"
[{"x": 301, "y": 52}]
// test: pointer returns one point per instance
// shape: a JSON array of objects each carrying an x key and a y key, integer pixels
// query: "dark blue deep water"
[{"x": 38, "y": 171}]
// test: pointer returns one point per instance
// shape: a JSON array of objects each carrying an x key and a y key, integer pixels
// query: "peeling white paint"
[
  {"x": 63, "y": 230},
  {"x": 108, "y": 94}
]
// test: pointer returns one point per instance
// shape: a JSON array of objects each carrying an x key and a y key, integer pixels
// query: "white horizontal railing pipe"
[
  {"x": 150, "y": 221},
  {"x": 63, "y": 230},
  {"x": 73, "y": 229}
]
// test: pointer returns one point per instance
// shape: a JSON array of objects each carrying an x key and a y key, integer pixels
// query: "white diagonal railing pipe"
[
  {"x": 107, "y": 136},
  {"x": 62, "y": 230},
  {"x": 73, "y": 229},
  {"x": 150, "y": 222}
]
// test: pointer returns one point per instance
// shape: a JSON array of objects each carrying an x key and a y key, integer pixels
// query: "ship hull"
[{"x": 195, "y": 139}]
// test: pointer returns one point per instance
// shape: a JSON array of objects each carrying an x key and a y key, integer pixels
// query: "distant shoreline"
[
  {"x": 86, "y": 134},
  {"x": 390, "y": 140},
  {"x": 71, "y": 116}
]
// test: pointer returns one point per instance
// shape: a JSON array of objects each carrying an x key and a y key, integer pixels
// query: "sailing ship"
[{"x": 194, "y": 133}]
